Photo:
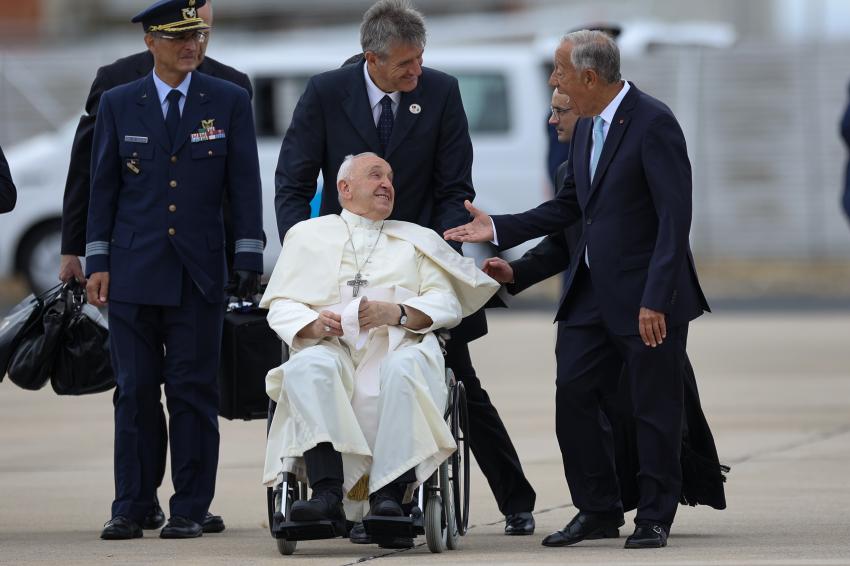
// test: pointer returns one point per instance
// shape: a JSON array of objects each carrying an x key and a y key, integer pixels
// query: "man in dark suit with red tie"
[{"x": 631, "y": 292}]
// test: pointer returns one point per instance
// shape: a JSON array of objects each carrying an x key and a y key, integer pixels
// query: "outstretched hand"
[{"x": 479, "y": 230}]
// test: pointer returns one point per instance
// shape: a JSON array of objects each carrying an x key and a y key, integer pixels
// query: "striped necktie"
[{"x": 385, "y": 123}]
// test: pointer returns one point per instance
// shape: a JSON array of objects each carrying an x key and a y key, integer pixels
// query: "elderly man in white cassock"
[{"x": 357, "y": 298}]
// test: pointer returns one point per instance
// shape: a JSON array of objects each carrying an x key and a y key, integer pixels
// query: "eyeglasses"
[
  {"x": 557, "y": 111},
  {"x": 199, "y": 36}
]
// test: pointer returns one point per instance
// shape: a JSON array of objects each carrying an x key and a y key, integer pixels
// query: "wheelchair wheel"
[
  {"x": 459, "y": 461},
  {"x": 282, "y": 503},
  {"x": 434, "y": 523},
  {"x": 451, "y": 534}
]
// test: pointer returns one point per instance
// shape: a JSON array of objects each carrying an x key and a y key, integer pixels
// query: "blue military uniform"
[{"x": 155, "y": 225}]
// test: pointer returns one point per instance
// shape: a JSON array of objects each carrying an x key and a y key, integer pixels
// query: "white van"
[{"x": 504, "y": 93}]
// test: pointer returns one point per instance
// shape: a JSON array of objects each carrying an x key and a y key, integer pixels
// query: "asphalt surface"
[{"x": 775, "y": 388}]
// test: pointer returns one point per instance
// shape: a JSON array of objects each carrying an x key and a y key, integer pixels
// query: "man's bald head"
[{"x": 365, "y": 186}]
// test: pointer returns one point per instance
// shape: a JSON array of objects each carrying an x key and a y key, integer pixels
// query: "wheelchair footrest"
[
  {"x": 310, "y": 530},
  {"x": 382, "y": 526}
]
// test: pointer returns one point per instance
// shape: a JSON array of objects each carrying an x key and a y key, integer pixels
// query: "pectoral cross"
[{"x": 357, "y": 282}]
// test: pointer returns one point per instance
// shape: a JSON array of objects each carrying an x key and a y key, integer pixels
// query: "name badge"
[{"x": 136, "y": 139}]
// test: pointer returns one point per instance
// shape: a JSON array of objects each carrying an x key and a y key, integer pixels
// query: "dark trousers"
[
  {"x": 590, "y": 360},
  {"x": 178, "y": 346},
  {"x": 489, "y": 441}
]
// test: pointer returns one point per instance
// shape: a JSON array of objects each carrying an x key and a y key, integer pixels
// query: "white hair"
[
  {"x": 345, "y": 167},
  {"x": 344, "y": 172}
]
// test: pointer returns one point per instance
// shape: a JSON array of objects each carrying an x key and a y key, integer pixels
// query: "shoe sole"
[
  {"x": 213, "y": 529},
  {"x": 519, "y": 533},
  {"x": 636, "y": 546},
  {"x": 176, "y": 536},
  {"x": 595, "y": 535},
  {"x": 116, "y": 537}
]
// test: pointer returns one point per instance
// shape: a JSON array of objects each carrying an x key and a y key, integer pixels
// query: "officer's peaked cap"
[{"x": 172, "y": 16}]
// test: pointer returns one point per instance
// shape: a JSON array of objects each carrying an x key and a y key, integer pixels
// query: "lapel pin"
[
  {"x": 415, "y": 109},
  {"x": 621, "y": 120}
]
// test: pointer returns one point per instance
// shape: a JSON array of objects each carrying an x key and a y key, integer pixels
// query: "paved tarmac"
[{"x": 775, "y": 388}]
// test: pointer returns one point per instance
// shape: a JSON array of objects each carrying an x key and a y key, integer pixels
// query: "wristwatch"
[{"x": 402, "y": 320}]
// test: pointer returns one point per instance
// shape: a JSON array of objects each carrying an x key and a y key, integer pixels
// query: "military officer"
[{"x": 166, "y": 148}]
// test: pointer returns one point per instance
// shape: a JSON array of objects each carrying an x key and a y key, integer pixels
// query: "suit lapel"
[
  {"x": 357, "y": 108},
  {"x": 581, "y": 159},
  {"x": 616, "y": 130},
  {"x": 193, "y": 111},
  {"x": 404, "y": 118},
  {"x": 152, "y": 113}
]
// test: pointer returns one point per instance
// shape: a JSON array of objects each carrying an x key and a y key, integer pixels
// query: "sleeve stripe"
[
  {"x": 97, "y": 248},
  {"x": 249, "y": 246}
]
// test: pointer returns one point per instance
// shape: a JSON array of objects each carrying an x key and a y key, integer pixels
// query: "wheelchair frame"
[{"x": 444, "y": 496}]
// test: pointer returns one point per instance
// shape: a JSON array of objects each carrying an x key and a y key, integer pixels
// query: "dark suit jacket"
[
  {"x": 636, "y": 216},
  {"x": 155, "y": 211},
  {"x": 75, "y": 203},
  {"x": 845, "y": 133},
  {"x": 550, "y": 256},
  {"x": 430, "y": 153},
  {"x": 8, "y": 194}
]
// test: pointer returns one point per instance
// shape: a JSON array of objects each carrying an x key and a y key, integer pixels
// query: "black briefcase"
[{"x": 249, "y": 349}]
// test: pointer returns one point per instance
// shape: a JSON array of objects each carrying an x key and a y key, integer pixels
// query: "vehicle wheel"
[
  {"x": 434, "y": 524},
  {"x": 38, "y": 255},
  {"x": 452, "y": 536}
]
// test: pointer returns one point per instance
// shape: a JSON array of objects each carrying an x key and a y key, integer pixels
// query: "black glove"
[{"x": 244, "y": 284}]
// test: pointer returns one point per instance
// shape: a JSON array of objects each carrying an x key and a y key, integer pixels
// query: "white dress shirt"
[{"x": 162, "y": 90}]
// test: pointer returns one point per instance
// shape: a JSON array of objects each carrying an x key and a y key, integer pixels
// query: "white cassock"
[{"x": 378, "y": 396}]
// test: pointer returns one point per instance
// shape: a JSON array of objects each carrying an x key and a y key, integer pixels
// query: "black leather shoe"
[
  {"x": 317, "y": 509},
  {"x": 519, "y": 523},
  {"x": 181, "y": 527},
  {"x": 585, "y": 526},
  {"x": 358, "y": 534},
  {"x": 385, "y": 507},
  {"x": 212, "y": 523},
  {"x": 647, "y": 536},
  {"x": 120, "y": 528},
  {"x": 155, "y": 518}
]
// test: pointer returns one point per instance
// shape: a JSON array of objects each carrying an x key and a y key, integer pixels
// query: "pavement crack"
[{"x": 811, "y": 439}]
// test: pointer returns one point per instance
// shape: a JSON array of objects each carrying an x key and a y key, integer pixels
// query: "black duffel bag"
[
  {"x": 31, "y": 362},
  {"x": 82, "y": 363},
  {"x": 249, "y": 349},
  {"x": 14, "y": 325}
]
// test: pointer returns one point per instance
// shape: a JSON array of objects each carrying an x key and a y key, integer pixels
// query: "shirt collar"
[
  {"x": 375, "y": 93},
  {"x": 355, "y": 220},
  {"x": 162, "y": 89},
  {"x": 611, "y": 109}
]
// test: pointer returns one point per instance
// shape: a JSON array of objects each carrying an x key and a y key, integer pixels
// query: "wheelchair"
[{"x": 441, "y": 504}]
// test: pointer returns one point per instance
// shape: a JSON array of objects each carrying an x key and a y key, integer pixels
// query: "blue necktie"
[
  {"x": 172, "y": 116},
  {"x": 385, "y": 123},
  {"x": 598, "y": 141}
]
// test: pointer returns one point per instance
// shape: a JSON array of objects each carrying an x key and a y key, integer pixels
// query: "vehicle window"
[
  {"x": 485, "y": 99},
  {"x": 275, "y": 99}
]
